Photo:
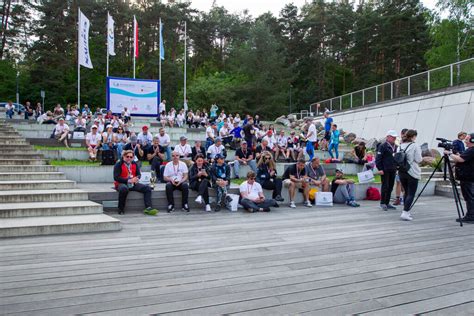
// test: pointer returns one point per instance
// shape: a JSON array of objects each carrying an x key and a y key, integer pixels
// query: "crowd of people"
[{"x": 206, "y": 164}]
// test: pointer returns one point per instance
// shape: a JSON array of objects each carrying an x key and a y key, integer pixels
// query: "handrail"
[{"x": 428, "y": 84}]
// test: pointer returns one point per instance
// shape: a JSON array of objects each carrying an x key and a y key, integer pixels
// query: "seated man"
[
  {"x": 155, "y": 156},
  {"x": 295, "y": 178},
  {"x": 61, "y": 132},
  {"x": 137, "y": 149},
  {"x": 176, "y": 176},
  {"x": 220, "y": 175},
  {"x": 244, "y": 156},
  {"x": 145, "y": 138},
  {"x": 224, "y": 133},
  {"x": 197, "y": 150},
  {"x": 127, "y": 176},
  {"x": 316, "y": 172},
  {"x": 165, "y": 142},
  {"x": 236, "y": 133},
  {"x": 252, "y": 198},
  {"x": 261, "y": 148},
  {"x": 216, "y": 149},
  {"x": 185, "y": 151},
  {"x": 93, "y": 140},
  {"x": 343, "y": 189}
]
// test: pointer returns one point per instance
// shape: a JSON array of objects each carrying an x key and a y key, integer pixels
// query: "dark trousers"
[
  {"x": 156, "y": 166},
  {"x": 388, "y": 180},
  {"x": 467, "y": 189},
  {"x": 183, "y": 187},
  {"x": 274, "y": 185},
  {"x": 247, "y": 204},
  {"x": 202, "y": 187},
  {"x": 123, "y": 190},
  {"x": 410, "y": 185}
]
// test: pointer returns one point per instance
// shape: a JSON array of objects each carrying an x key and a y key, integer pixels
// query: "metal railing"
[{"x": 438, "y": 78}]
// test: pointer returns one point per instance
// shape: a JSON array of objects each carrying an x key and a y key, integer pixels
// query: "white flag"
[
  {"x": 84, "y": 56},
  {"x": 110, "y": 35}
]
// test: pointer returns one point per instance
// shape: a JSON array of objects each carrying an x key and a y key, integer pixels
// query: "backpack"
[
  {"x": 108, "y": 158},
  {"x": 401, "y": 161},
  {"x": 373, "y": 194}
]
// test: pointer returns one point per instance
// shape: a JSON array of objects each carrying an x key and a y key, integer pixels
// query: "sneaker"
[
  {"x": 170, "y": 208},
  {"x": 208, "y": 208},
  {"x": 185, "y": 208},
  {"x": 397, "y": 201},
  {"x": 278, "y": 198},
  {"x": 383, "y": 207},
  {"x": 150, "y": 211},
  {"x": 292, "y": 204},
  {"x": 266, "y": 209},
  {"x": 308, "y": 204},
  {"x": 391, "y": 207},
  {"x": 218, "y": 208},
  {"x": 121, "y": 212},
  {"x": 352, "y": 204},
  {"x": 199, "y": 199},
  {"x": 401, "y": 201},
  {"x": 406, "y": 216}
]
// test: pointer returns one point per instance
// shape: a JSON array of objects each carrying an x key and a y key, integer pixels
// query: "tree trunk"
[{"x": 6, "y": 14}]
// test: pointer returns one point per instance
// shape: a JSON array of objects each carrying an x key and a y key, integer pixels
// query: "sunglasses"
[
  {"x": 252, "y": 178},
  {"x": 128, "y": 156}
]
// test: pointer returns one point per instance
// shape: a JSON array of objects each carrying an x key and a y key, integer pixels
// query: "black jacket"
[
  {"x": 214, "y": 175},
  {"x": 118, "y": 172},
  {"x": 263, "y": 174},
  {"x": 384, "y": 159},
  {"x": 193, "y": 177},
  {"x": 194, "y": 152}
]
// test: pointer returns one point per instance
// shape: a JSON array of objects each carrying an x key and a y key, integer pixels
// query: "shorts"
[
  {"x": 287, "y": 182},
  {"x": 327, "y": 135}
]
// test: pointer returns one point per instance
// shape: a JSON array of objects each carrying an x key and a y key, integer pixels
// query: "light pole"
[
  {"x": 291, "y": 86},
  {"x": 17, "y": 90}
]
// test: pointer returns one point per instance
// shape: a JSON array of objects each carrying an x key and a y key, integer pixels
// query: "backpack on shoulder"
[{"x": 401, "y": 160}]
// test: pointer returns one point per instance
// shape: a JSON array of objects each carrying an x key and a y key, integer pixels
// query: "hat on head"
[
  {"x": 94, "y": 126},
  {"x": 218, "y": 139},
  {"x": 183, "y": 138},
  {"x": 339, "y": 170},
  {"x": 133, "y": 139},
  {"x": 109, "y": 126},
  {"x": 269, "y": 132},
  {"x": 219, "y": 156},
  {"x": 61, "y": 119},
  {"x": 145, "y": 128},
  {"x": 244, "y": 142},
  {"x": 392, "y": 133}
]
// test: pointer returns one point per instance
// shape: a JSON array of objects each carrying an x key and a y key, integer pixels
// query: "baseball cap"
[
  {"x": 61, "y": 119},
  {"x": 339, "y": 170},
  {"x": 145, "y": 128},
  {"x": 218, "y": 139},
  {"x": 219, "y": 156},
  {"x": 109, "y": 126},
  {"x": 183, "y": 138},
  {"x": 392, "y": 133},
  {"x": 243, "y": 142},
  {"x": 94, "y": 126}
]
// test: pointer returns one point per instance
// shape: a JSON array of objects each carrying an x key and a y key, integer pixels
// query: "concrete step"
[
  {"x": 47, "y": 225},
  {"x": 37, "y": 185},
  {"x": 28, "y": 168},
  {"x": 17, "y": 196},
  {"x": 445, "y": 189},
  {"x": 22, "y": 161},
  {"x": 24, "y": 155},
  {"x": 9, "y": 148},
  {"x": 11, "y": 210},
  {"x": 13, "y": 142},
  {"x": 10, "y": 176}
]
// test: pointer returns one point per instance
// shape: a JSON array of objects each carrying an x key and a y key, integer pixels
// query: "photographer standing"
[
  {"x": 465, "y": 174},
  {"x": 409, "y": 179}
]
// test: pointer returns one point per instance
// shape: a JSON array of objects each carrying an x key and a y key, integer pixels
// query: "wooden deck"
[{"x": 331, "y": 261}]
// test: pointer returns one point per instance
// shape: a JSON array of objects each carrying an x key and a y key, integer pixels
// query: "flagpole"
[
  {"x": 134, "y": 43},
  {"x": 107, "y": 34},
  {"x": 185, "y": 58},
  {"x": 78, "y": 64},
  {"x": 159, "y": 63}
]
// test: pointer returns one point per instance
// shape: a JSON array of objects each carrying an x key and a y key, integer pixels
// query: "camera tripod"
[{"x": 448, "y": 174}]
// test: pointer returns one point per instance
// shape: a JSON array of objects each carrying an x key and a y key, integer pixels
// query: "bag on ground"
[
  {"x": 373, "y": 194},
  {"x": 312, "y": 193},
  {"x": 324, "y": 198},
  {"x": 234, "y": 204},
  {"x": 366, "y": 176}
]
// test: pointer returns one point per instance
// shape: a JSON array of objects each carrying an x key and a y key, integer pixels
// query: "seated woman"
[
  {"x": 190, "y": 119},
  {"x": 93, "y": 140},
  {"x": 108, "y": 139},
  {"x": 199, "y": 180},
  {"x": 80, "y": 124},
  {"x": 121, "y": 140},
  {"x": 360, "y": 153},
  {"x": 267, "y": 175},
  {"x": 220, "y": 174}
]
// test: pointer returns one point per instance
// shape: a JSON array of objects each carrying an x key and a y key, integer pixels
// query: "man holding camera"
[{"x": 464, "y": 164}]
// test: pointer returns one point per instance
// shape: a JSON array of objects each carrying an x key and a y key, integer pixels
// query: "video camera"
[{"x": 445, "y": 143}]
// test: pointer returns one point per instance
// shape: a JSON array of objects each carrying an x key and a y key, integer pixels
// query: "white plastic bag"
[
  {"x": 366, "y": 176},
  {"x": 234, "y": 204},
  {"x": 324, "y": 198}
]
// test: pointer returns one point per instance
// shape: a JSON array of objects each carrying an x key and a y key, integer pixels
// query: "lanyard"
[
  {"x": 129, "y": 169},
  {"x": 217, "y": 150},
  {"x": 182, "y": 150},
  {"x": 249, "y": 188},
  {"x": 297, "y": 172},
  {"x": 176, "y": 170}
]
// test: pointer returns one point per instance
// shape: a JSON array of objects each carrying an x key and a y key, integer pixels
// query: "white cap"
[{"x": 392, "y": 133}]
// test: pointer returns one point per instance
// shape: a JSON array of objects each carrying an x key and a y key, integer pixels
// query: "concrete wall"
[{"x": 438, "y": 114}]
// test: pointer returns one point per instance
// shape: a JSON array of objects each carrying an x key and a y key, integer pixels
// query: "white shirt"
[
  {"x": 184, "y": 151},
  {"x": 60, "y": 129},
  {"x": 282, "y": 140},
  {"x": 271, "y": 140},
  {"x": 175, "y": 172},
  {"x": 185, "y": 106},
  {"x": 164, "y": 140},
  {"x": 313, "y": 132},
  {"x": 8, "y": 106},
  {"x": 117, "y": 123},
  {"x": 108, "y": 137},
  {"x": 80, "y": 123},
  {"x": 213, "y": 150},
  {"x": 162, "y": 107},
  {"x": 93, "y": 139},
  {"x": 210, "y": 132},
  {"x": 145, "y": 139},
  {"x": 252, "y": 191},
  {"x": 180, "y": 117},
  {"x": 224, "y": 131},
  {"x": 127, "y": 113}
]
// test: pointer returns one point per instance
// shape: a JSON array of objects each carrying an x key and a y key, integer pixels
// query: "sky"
[{"x": 257, "y": 7}]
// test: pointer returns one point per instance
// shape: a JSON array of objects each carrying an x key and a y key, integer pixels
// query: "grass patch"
[
  {"x": 349, "y": 176},
  {"x": 40, "y": 147},
  {"x": 64, "y": 163}
]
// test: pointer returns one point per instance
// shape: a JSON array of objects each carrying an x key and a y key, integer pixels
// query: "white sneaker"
[
  {"x": 406, "y": 216},
  {"x": 208, "y": 208},
  {"x": 308, "y": 204},
  {"x": 198, "y": 199},
  {"x": 292, "y": 204}
]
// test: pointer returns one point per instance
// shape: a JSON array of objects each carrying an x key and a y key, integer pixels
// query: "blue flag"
[{"x": 162, "y": 46}]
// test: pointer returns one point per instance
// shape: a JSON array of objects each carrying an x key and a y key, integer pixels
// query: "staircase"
[{"x": 36, "y": 199}]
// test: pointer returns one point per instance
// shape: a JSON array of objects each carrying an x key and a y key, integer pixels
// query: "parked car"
[{"x": 18, "y": 107}]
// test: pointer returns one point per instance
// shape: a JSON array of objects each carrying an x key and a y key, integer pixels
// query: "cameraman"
[{"x": 465, "y": 174}]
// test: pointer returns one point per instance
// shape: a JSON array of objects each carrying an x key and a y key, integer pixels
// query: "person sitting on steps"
[
  {"x": 199, "y": 181},
  {"x": 267, "y": 175},
  {"x": 252, "y": 198}
]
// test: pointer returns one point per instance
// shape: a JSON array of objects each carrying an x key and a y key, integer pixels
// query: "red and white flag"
[{"x": 135, "y": 37}]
